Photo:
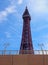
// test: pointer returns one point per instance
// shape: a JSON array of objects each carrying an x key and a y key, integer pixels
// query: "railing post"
[{"x": 12, "y": 59}]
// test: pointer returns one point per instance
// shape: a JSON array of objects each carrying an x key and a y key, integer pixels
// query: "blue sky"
[{"x": 11, "y": 23}]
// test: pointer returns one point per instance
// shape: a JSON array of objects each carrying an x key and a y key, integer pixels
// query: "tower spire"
[
  {"x": 26, "y": 42},
  {"x": 26, "y": 13}
]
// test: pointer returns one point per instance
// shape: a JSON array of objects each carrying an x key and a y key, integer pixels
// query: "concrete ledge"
[{"x": 25, "y": 59}]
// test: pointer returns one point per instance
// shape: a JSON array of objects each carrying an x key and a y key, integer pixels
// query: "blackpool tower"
[{"x": 26, "y": 41}]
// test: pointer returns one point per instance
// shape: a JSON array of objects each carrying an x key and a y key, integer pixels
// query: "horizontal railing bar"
[{"x": 16, "y": 52}]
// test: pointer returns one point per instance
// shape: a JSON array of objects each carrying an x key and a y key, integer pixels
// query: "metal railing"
[{"x": 16, "y": 52}]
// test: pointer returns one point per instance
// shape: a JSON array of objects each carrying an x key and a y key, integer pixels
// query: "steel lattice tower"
[{"x": 26, "y": 42}]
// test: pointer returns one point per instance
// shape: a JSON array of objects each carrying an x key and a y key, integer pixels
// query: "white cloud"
[
  {"x": 11, "y": 9},
  {"x": 8, "y": 35},
  {"x": 3, "y": 15},
  {"x": 20, "y": 1},
  {"x": 8, "y": 10},
  {"x": 13, "y": 2},
  {"x": 39, "y": 5}
]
